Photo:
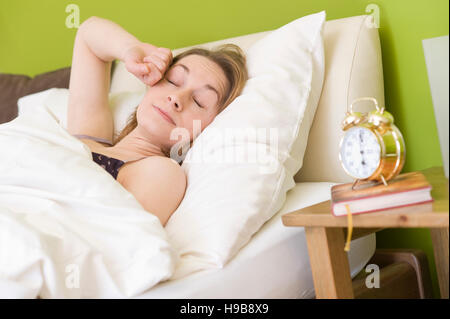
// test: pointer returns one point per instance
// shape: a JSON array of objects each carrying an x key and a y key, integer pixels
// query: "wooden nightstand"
[{"x": 325, "y": 236}]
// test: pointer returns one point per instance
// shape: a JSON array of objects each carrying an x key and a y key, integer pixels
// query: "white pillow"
[
  {"x": 122, "y": 105},
  {"x": 27, "y": 103},
  {"x": 227, "y": 202}
]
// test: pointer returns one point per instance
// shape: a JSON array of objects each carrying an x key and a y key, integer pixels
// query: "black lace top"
[{"x": 110, "y": 164}]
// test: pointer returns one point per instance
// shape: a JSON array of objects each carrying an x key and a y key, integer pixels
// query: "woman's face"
[{"x": 190, "y": 90}]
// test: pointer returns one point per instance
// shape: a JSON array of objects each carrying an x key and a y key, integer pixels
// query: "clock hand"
[{"x": 361, "y": 151}]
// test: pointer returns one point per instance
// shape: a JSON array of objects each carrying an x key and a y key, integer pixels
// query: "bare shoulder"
[
  {"x": 162, "y": 168},
  {"x": 158, "y": 183},
  {"x": 158, "y": 161}
]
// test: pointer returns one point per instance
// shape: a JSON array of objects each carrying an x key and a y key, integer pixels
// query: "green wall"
[{"x": 35, "y": 39}]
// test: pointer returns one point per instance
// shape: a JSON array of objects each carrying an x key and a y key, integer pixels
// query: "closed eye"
[
  {"x": 171, "y": 82},
  {"x": 198, "y": 104}
]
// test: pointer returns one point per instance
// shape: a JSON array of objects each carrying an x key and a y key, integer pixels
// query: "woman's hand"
[{"x": 147, "y": 62}]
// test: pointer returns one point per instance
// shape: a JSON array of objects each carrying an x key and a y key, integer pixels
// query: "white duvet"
[{"x": 67, "y": 228}]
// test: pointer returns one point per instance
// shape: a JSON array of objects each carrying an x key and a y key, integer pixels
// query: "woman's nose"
[
  {"x": 175, "y": 102},
  {"x": 179, "y": 98}
]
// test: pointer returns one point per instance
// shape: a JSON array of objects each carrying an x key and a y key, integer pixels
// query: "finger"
[
  {"x": 164, "y": 57},
  {"x": 146, "y": 79},
  {"x": 137, "y": 68},
  {"x": 158, "y": 61},
  {"x": 146, "y": 68},
  {"x": 155, "y": 74},
  {"x": 162, "y": 66},
  {"x": 167, "y": 52}
]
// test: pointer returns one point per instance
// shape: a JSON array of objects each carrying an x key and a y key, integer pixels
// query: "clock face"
[{"x": 360, "y": 152}]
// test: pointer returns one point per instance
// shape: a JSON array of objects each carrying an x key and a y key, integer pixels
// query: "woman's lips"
[{"x": 164, "y": 115}]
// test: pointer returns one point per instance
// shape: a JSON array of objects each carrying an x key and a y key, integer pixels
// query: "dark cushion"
[{"x": 14, "y": 86}]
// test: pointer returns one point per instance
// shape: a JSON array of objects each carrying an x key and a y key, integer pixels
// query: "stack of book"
[{"x": 369, "y": 196}]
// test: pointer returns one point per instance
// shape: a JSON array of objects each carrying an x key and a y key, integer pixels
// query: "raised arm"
[{"x": 98, "y": 42}]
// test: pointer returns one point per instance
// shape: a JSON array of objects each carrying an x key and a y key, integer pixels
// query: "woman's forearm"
[{"x": 106, "y": 39}]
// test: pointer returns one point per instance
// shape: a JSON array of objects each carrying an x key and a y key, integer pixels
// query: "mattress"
[{"x": 274, "y": 264}]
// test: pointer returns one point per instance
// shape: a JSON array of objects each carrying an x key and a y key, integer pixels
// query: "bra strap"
[{"x": 97, "y": 139}]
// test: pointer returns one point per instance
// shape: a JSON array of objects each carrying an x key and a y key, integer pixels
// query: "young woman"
[{"x": 195, "y": 85}]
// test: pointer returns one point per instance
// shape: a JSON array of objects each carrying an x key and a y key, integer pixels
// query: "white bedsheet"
[
  {"x": 67, "y": 229},
  {"x": 274, "y": 264}
]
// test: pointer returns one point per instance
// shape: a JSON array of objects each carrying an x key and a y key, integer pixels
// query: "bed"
[{"x": 274, "y": 263}]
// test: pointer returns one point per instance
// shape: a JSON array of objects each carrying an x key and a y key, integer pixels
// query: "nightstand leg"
[
  {"x": 439, "y": 236},
  {"x": 329, "y": 263}
]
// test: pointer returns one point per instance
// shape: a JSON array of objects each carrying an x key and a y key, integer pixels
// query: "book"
[{"x": 371, "y": 196}]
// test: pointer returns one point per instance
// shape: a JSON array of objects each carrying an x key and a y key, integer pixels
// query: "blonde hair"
[{"x": 230, "y": 58}]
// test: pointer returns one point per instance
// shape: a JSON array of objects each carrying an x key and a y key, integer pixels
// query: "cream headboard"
[{"x": 353, "y": 68}]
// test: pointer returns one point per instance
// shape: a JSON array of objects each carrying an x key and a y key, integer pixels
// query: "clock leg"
[
  {"x": 383, "y": 180},
  {"x": 354, "y": 184}
]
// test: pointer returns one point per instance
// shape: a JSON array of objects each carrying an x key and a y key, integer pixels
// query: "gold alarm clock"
[{"x": 372, "y": 147}]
